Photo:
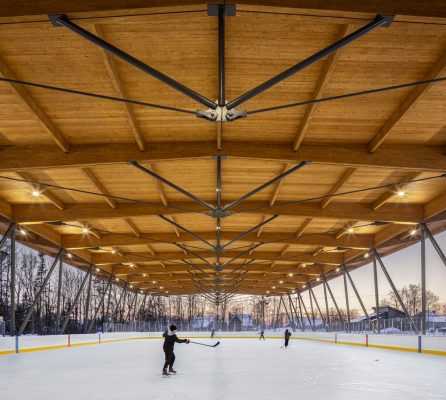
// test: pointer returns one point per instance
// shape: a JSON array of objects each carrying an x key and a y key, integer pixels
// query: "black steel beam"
[
  {"x": 63, "y": 20},
  {"x": 172, "y": 185},
  {"x": 265, "y": 185},
  {"x": 380, "y": 20}
]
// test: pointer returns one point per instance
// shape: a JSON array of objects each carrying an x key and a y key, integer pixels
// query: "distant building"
[
  {"x": 385, "y": 312},
  {"x": 205, "y": 322},
  {"x": 239, "y": 322}
]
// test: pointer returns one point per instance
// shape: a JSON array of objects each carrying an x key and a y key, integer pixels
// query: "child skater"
[{"x": 170, "y": 338}]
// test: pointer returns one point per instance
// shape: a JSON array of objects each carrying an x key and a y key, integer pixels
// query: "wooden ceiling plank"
[
  {"x": 321, "y": 84},
  {"x": 34, "y": 108},
  {"x": 113, "y": 73},
  {"x": 438, "y": 69},
  {"x": 99, "y": 186}
]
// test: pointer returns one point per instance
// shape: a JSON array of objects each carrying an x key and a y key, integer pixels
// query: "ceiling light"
[
  {"x": 167, "y": 291},
  {"x": 131, "y": 286},
  {"x": 69, "y": 255},
  {"x": 35, "y": 193},
  {"x": 293, "y": 291},
  {"x": 280, "y": 282},
  {"x": 350, "y": 229},
  {"x": 140, "y": 291},
  {"x": 131, "y": 265},
  {"x": 318, "y": 279},
  {"x": 97, "y": 269},
  {"x": 161, "y": 287},
  {"x": 22, "y": 231},
  {"x": 413, "y": 231},
  {"x": 153, "y": 282},
  {"x": 337, "y": 269},
  {"x": 144, "y": 275},
  {"x": 85, "y": 229},
  {"x": 366, "y": 255},
  {"x": 116, "y": 279},
  {"x": 290, "y": 274},
  {"x": 273, "y": 287},
  {"x": 401, "y": 193},
  {"x": 304, "y": 286},
  {"x": 113, "y": 251},
  {"x": 267, "y": 292},
  {"x": 303, "y": 265}
]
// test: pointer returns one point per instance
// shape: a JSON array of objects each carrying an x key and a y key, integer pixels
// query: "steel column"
[
  {"x": 221, "y": 55},
  {"x": 311, "y": 307},
  {"x": 375, "y": 278},
  {"x": 59, "y": 292},
  {"x": 317, "y": 304},
  {"x": 301, "y": 313},
  {"x": 287, "y": 314},
  {"x": 87, "y": 305},
  {"x": 306, "y": 312},
  {"x": 434, "y": 242},
  {"x": 333, "y": 299},
  {"x": 101, "y": 301},
  {"x": 292, "y": 306},
  {"x": 76, "y": 299},
  {"x": 13, "y": 280},
  {"x": 395, "y": 291},
  {"x": 423, "y": 280},
  {"x": 357, "y": 294},
  {"x": 347, "y": 303},
  {"x": 39, "y": 293},
  {"x": 326, "y": 306},
  {"x": 107, "y": 312}
]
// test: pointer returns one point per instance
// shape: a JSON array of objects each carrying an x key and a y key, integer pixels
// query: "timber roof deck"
[{"x": 84, "y": 143}]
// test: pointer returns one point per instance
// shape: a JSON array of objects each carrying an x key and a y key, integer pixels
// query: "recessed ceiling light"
[
  {"x": 337, "y": 269},
  {"x": 97, "y": 269},
  {"x": 153, "y": 282},
  {"x": 35, "y": 193},
  {"x": 69, "y": 255},
  {"x": 290, "y": 274},
  {"x": 280, "y": 282},
  {"x": 366, "y": 255},
  {"x": 113, "y": 251},
  {"x": 401, "y": 193},
  {"x": 161, "y": 287},
  {"x": 85, "y": 229},
  {"x": 304, "y": 286},
  {"x": 22, "y": 231},
  {"x": 267, "y": 292},
  {"x": 144, "y": 275},
  {"x": 350, "y": 229},
  {"x": 273, "y": 287},
  {"x": 131, "y": 286},
  {"x": 413, "y": 231},
  {"x": 116, "y": 279},
  {"x": 318, "y": 279}
]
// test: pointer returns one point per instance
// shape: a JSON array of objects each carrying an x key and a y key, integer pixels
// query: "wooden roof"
[{"x": 84, "y": 144}]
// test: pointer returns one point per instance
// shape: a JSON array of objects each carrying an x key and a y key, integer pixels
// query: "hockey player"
[
  {"x": 262, "y": 335},
  {"x": 287, "y": 337},
  {"x": 212, "y": 333},
  {"x": 170, "y": 338}
]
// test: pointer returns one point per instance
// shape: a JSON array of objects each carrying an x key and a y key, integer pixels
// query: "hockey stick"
[{"x": 203, "y": 344}]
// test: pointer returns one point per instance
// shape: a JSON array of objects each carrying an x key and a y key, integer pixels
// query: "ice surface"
[{"x": 244, "y": 369}]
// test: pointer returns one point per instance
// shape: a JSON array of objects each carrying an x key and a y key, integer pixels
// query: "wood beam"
[
  {"x": 99, "y": 186},
  {"x": 344, "y": 230},
  {"x": 397, "y": 157},
  {"x": 39, "y": 115},
  {"x": 438, "y": 69},
  {"x": 299, "y": 233},
  {"x": 405, "y": 213},
  {"x": 338, "y": 186},
  {"x": 321, "y": 84},
  {"x": 113, "y": 73}
]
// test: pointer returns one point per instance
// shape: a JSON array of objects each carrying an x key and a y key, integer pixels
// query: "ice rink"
[{"x": 245, "y": 369}]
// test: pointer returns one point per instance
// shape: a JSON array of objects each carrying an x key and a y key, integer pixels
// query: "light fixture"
[
  {"x": 22, "y": 231},
  {"x": 97, "y": 269},
  {"x": 85, "y": 229},
  {"x": 69, "y": 255},
  {"x": 113, "y": 251},
  {"x": 337, "y": 269},
  {"x": 131, "y": 286},
  {"x": 140, "y": 291},
  {"x": 304, "y": 286},
  {"x": 267, "y": 292},
  {"x": 167, "y": 291},
  {"x": 401, "y": 193},
  {"x": 350, "y": 229},
  {"x": 218, "y": 228},
  {"x": 303, "y": 265},
  {"x": 153, "y": 282},
  {"x": 131, "y": 265},
  {"x": 35, "y": 193},
  {"x": 366, "y": 255},
  {"x": 413, "y": 231},
  {"x": 116, "y": 279},
  {"x": 318, "y": 279},
  {"x": 293, "y": 291},
  {"x": 290, "y": 274},
  {"x": 144, "y": 275},
  {"x": 273, "y": 287},
  {"x": 161, "y": 287},
  {"x": 280, "y": 282}
]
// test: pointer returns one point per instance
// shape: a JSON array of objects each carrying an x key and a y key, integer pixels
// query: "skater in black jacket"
[
  {"x": 262, "y": 335},
  {"x": 170, "y": 338},
  {"x": 287, "y": 337}
]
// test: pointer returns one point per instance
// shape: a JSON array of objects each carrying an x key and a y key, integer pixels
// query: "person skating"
[
  {"x": 262, "y": 334},
  {"x": 170, "y": 338},
  {"x": 287, "y": 337},
  {"x": 212, "y": 333}
]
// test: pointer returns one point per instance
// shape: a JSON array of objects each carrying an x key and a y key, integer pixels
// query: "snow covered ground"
[{"x": 245, "y": 369}]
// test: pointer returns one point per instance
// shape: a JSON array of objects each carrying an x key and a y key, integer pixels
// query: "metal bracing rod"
[
  {"x": 76, "y": 299},
  {"x": 317, "y": 304},
  {"x": 191, "y": 264},
  {"x": 193, "y": 253},
  {"x": 143, "y": 305},
  {"x": 121, "y": 311},
  {"x": 305, "y": 309},
  {"x": 423, "y": 280},
  {"x": 277, "y": 315},
  {"x": 288, "y": 315},
  {"x": 195, "y": 235},
  {"x": 115, "y": 311},
  {"x": 218, "y": 247},
  {"x": 375, "y": 279},
  {"x": 87, "y": 304},
  {"x": 172, "y": 185},
  {"x": 347, "y": 303},
  {"x": 239, "y": 268},
  {"x": 265, "y": 185},
  {"x": 380, "y": 20},
  {"x": 219, "y": 185},
  {"x": 326, "y": 305},
  {"x": 59, "y": 292},
  {"x": 332, "y": 298},
  {"x": 243, "y": 234},
  {"x": 239, "y": 276},
  {"x": 347, "y": 273},
  {"x": 107, "y": 311},
  {"x": 65, "y": 21},
  {"x": 293, "y": 308},
  {"x": 395, "y": 291},
  {"x": 198, "y": 277},
  {"x": 135, "y": 306},
  {"x": 311, "y": 308},
  {"x": 7, "y": 234},
  {"x": 13, "y": 281},
  {"x": 221, "y": 56},
  {"x": 242, "y": 254},
  {"x": 40, "y": 291},
  {"x": 101, "y": 301},
  {"x": 434, "y": 243}
]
